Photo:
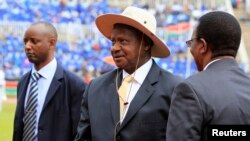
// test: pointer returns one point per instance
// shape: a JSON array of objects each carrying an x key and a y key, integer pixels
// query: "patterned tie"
[
  {"x": 31, "y": 110},
  {"x": 123, "y": 95}
]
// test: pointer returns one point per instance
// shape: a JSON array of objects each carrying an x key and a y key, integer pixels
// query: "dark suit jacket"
[
  {"x": 146, "y": 118},
  {"x": 61, "y": 109},
  {"x": 218, "y": 95}
]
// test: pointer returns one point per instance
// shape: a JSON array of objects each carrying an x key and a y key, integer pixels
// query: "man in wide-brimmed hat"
[{"x": 130, "y": 103}]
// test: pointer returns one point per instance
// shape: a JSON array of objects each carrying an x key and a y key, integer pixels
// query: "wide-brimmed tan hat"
[{"x": 139, "y": 19}]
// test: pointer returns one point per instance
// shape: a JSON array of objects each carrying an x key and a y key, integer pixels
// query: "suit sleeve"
[
  {"x": 83, "y": 128},
  {"x": 185, "y": 116}
]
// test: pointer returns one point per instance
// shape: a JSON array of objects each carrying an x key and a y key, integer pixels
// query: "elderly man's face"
[{"x": 125, "y": 48}]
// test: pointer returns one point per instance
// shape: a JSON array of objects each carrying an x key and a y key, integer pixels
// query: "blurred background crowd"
[{"x": 81, "y": 48}]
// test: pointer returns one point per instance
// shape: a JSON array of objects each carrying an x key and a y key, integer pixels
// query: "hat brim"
[{"x": 105, "y": 25}]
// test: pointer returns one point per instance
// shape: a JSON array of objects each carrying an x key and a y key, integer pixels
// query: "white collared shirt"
[
  {"x": 210, "y": 63},
  {"x": 139, "y": 76},
  {"x": 47, "y": 73}
]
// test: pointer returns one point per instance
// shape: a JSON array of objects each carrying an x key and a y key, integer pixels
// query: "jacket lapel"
[
  {"x": 22, "y": 93},
  {"x": 55, "y": 84},
  {"x": 143, "y": 94}
]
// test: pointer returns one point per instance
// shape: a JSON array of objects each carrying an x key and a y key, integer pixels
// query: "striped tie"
[{"x": 30, "y": 110}]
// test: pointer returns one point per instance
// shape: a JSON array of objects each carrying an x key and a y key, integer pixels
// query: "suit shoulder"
[
  {"x": 171, "y": 76},
  {"x": 24, "y": 77},
  {"x": 105, "y": 77},
  {"x": 200, "y": 76},
  {"x": 72, "y": 76}
]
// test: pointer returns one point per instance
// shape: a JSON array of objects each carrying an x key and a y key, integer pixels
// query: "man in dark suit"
[
  {"x": 219, "y": 94},
  {"x": 59, "y": 92},
  {"x": 145, "y": 112}
]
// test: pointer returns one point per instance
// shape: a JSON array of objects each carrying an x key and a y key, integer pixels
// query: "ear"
[
  {"x": 52, "y": 43},
  {"x": 203, "y": 46}
]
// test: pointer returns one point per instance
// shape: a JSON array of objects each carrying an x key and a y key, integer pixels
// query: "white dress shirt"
[
  {"x": 47, "y": 73},
  {"x": 139, "y": 76}
]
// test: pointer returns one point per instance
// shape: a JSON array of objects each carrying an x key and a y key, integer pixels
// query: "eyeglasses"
[{"x": 190, "y": 41}]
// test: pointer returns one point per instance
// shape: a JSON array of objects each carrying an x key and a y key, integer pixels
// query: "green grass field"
[{"x": 6, "y": 121}]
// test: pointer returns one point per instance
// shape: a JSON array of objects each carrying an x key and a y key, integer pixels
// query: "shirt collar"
[
  {"x": 210, "y": 63},
  {"x": 141, "y": 73},
  {"x": 46, "y": 71}
]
